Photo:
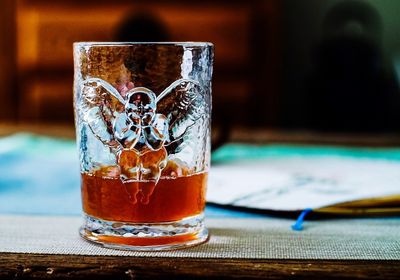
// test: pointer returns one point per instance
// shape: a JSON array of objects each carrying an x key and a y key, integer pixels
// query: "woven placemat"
[{"x": 266, "y": 238}]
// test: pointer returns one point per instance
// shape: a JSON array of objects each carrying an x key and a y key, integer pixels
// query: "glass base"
[{"x": 184, "y": 233}]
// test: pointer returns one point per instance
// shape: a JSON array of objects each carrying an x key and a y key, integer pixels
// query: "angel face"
[{"x": 141, "y": 105}]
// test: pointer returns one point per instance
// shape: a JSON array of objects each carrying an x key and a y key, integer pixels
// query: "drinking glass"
[{"x": 142, "y": 117}]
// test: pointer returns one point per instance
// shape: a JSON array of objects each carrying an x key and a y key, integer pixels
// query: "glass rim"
[{"x": 125, "y": 44}]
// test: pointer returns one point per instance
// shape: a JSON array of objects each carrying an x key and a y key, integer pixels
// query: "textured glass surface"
[
  {"x": 133, "y": 99},
  {"x": 142, "y": 114}
]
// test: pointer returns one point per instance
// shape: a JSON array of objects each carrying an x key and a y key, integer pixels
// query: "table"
[
  {"x": 241, "y": 248},
  {"x": 44, "y": 265}
]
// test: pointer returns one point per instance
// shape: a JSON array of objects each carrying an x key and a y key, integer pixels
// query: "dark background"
[{"x": 323, "y": 65}]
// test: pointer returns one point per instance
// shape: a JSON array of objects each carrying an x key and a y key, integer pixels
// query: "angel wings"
[{"x": 136, "y": 119}]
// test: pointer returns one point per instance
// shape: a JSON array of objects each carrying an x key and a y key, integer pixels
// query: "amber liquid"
[{"x": 171, "y": 199}]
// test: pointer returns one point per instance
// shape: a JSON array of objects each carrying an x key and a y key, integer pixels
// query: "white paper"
[{"x": 295, "y": 183}]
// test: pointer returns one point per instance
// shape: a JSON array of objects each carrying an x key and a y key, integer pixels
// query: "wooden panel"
[
  {"x": 46, "y": 33},
  {"x": 46, "y": 30},
  {"x": 47, "y": 98},
  {"x": 8, "y": 91},
  {"x": 227, "y": 26}
]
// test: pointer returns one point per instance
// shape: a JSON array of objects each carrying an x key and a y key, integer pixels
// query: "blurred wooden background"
[
  {"x": 36, "y": 46},
  {"x": 272, "y": 58}
]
